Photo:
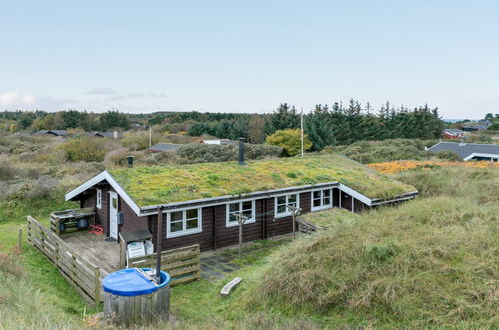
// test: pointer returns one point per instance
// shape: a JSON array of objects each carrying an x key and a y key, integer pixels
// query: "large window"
[
  {"x": 98, "y": 198},
  {"x": 282, "y": 203},
  {"x": 246, "y": 208},
  {"x": 321, "y": 199},
  {"x": 183, "y": 222}
]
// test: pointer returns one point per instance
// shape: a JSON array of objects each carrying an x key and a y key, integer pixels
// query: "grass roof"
[{"x": 169, "y": 184}]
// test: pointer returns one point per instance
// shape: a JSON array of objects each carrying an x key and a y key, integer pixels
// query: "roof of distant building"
[
  {"x": 162, "y": 147},
  {"x": 465, "y": 150},
  {"x": 56, "y": 132}
]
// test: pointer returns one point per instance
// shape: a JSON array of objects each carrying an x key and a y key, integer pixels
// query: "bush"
[
  {"x": 116, "y": 157},
  {"x": 206, "y": 153},
  {"x": 86, "y": 149},
  {"x": 138, "y": 141},
  {"x": 260, "y": 151},
  {"x": 448, "y": 155},
  {"x": 8, "y": 171},
  {"x": 382, "y": 151},
  {"x": 289, "y": 140}
]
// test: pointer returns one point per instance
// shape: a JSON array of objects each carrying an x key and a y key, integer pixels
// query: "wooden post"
[
  {"x": 159, "y": 238},
  {"x": 241, "y": 219},
  {"x": 294, "y": 212},
  {"x": 97, "y": 286},
  {"x": 353, "y": 200},
  {"x": 20, "y": 239}
]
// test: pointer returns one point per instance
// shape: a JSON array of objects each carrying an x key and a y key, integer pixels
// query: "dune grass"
[{"x": 430, "y": 262}]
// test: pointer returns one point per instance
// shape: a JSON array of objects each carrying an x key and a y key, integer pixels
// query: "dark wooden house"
[{"x": 198, "y": 201}]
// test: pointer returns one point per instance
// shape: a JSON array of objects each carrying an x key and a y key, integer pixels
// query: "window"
[
  {"x": 183, "y": 222},
  {"x": 246, "y": 208},
  {"x": 321, "y": 199},
  {"x": 282, "y": 203},
  {"x": 98, "y": 199}
]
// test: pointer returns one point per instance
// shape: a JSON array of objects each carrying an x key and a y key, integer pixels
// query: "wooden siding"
[
  {"x": 131, "y": 222},
  {"x": 215, "y": 234}
]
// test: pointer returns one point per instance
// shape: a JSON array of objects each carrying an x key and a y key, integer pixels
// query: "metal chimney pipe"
[
  {"x": 241, "y": 150},
  {"x": 129, "y": 160}
]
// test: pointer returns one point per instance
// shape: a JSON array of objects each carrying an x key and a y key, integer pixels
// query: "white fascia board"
[
  {"x": 109, "y": 178},
  {"x": 355, "y": 194},
  {"x": 433, "y": 146},
  {"x": 477, "y": 154}
]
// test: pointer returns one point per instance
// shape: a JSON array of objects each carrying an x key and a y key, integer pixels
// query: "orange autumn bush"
[{"x": 404, "y": 165}]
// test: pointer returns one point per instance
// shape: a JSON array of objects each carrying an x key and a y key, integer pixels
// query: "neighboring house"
[
  {"x": 164, "y": 147},
  {"x": 197, "y": 202},
  {"x": 219, "y": 141},
  {"x": 452, "y": 133},
  {"x": 54, "y": 132},
  {"x": 478, "y": 126},
  {"x": 469, "y": 151},
  {"x": 113, "y": 134}
]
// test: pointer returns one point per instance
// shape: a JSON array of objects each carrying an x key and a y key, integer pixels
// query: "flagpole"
[{"x": 301, "y": 124}]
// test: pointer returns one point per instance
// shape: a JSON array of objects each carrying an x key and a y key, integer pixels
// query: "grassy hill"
[{"x": 429, "y": 262}]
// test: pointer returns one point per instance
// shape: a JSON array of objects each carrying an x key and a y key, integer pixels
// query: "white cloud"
[
  {"x": 102, "y": 91},
  {"x": 16, "y": 99}
]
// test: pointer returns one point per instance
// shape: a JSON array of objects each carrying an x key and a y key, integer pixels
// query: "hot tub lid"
[{"x": 128, "y": 282}]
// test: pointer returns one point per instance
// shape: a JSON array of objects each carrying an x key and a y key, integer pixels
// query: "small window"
[
  {"x": 246, "y": 208},
  {"x": 184, "y": 222},
  {"x": 98, "y": 199},
  {"x": 321, "y": 199},
  {"x": 282, "y": 203}
]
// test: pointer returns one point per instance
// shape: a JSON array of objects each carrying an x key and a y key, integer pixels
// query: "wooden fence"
[
  {"x": 182, "y": 264},
  {"x": 80, "y": 273}
]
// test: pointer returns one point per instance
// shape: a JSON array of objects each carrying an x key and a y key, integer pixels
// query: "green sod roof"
[{"x": 170, "y": 184}]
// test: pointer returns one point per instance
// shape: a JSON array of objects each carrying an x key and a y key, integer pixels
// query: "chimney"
[
  {"x": 129, "y": 160},
  {"x": 241, "y": 150}
]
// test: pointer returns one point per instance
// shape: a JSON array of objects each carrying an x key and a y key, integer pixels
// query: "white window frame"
[
  {"x": 98, "y": 198},
  {"x": 184, "y": 231},
  {"x": 235, "y": 223},
  {"x": 323, "y": 206},
  {"x": 287, "y": 213}
]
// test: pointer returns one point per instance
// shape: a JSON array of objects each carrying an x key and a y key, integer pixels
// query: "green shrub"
[
  {"x": 448, "y": 155},
  {"x": 138, "y": 141},
  {"x": 7, "y": 170},
  {"x": 205, "y": 153},
  {"x": 86, "y": 149},
  {"x": 289, "y": 140},
  {"x": 382, "y": 151}
]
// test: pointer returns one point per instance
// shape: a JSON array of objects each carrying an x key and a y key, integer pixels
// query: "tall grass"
[
  {"x": 23, "y": 305},
  {"x": 430, "y": 262}
]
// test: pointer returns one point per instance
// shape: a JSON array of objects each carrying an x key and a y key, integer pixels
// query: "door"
[{"x": 113, "y": 215}]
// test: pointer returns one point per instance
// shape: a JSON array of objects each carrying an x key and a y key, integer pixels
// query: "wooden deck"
[{"x": 95, "y": 248}]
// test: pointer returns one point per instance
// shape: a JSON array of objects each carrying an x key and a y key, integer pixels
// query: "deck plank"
[{"x": 96, "y": 249}]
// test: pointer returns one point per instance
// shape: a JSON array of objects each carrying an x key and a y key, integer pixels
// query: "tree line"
[
  {"x": 88, "y": 121},
  {"x": 325, "y": 125},
  {"x": 332, "y": 125}
]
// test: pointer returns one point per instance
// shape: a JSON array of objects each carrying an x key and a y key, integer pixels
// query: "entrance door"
[{"x": 113, "y": 215}]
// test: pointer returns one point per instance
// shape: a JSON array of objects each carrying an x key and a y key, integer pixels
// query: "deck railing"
[
  {"x": 79, "y": 272},
  {"x": 182, "y": 264}
]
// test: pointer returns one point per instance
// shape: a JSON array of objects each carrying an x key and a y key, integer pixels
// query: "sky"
[{"x": 248, "y": 56}]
